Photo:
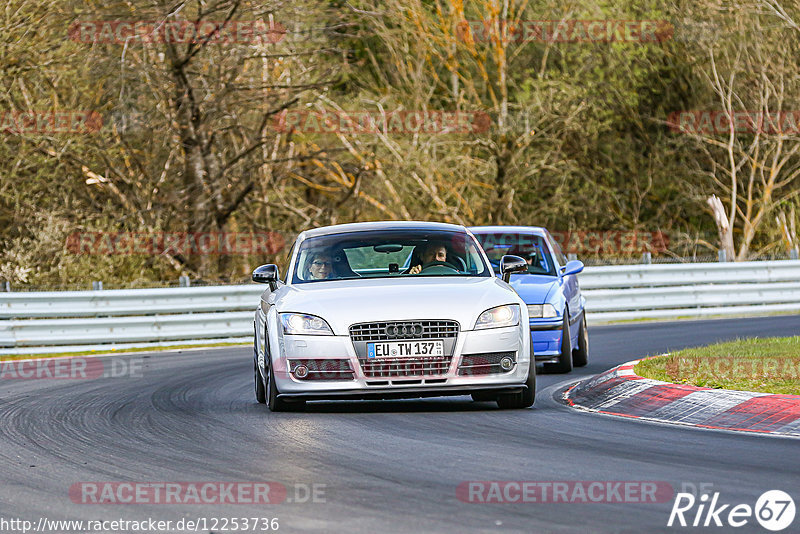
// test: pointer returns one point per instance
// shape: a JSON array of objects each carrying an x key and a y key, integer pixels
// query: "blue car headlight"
[
  {"x": 542, "y": 311},
  {"x": 498, "y": 317},
  {"x": 304, "y": 324}
]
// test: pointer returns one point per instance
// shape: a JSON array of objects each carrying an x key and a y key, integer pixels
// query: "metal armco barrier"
[
  {"x": 93, "y": 320},
  {"x": 687, "y": 274}
]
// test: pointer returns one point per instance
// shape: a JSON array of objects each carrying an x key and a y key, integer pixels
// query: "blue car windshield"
[
  {"x": 388, "y": 254},
  {"x": 532, "y": 248}
]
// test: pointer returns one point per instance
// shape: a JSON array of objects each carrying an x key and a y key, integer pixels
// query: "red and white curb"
[{"x": 620, "y": 391}]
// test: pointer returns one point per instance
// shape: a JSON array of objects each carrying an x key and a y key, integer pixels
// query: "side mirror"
[
  {"x": 572, "y": 267},
  {"x": 267, "y": 274},
  {"x": 512, "y": 264}
]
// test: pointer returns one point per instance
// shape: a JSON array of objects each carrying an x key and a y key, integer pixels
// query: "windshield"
[
  {"x": 388, "y": 254},
  {"x": 532, "y": 248}
]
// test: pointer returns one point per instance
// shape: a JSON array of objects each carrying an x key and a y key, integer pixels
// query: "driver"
[
  {"x": 533, "y": 259},
  {"x": 433, "y": 252},
  {"x": 529, "y": 254}
]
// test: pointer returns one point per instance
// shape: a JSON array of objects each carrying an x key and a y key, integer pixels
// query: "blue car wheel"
[
  {"x": 564, "y": 364},
  {"x": 580, "y": 356}
]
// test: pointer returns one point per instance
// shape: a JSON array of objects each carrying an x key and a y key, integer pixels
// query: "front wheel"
[
  {"x": 261, "y": 391},
  {"x": 273, "y": 402},
  {"x": 523, "y": 399},
  {"x": 564, "y": 364},
  {"x": 581, "y": 355}
]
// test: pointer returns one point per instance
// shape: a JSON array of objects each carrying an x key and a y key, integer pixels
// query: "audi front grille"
[{"x": 399, "y": 330}]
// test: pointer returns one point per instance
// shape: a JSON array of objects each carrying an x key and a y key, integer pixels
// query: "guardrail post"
[
  {"x": 572, "y": 256},
  {"x": 5, "y": 287},
  {"x": 184, "y": 281},
  {"x": 793, "y": 254},
  {"x": 722, "y": 256},
  {"x": 647, "y": 258},
  {"x": 97, "y": 286}
]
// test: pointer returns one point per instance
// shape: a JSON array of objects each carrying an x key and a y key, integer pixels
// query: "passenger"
[
  {"x": 432, "y": 252},
  {"x": 319, "y": 266}
]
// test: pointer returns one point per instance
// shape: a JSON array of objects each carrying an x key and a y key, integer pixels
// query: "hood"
[
  {"x": 345, "y": 302},
  {"x": 534, "y": 288}
]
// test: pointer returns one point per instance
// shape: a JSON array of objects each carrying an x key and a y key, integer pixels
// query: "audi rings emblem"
[{"x": 404, "y": 330}]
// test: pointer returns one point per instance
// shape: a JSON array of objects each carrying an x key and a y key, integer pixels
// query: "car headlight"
[
  {"x": 498, "y": 317},
  {"x": 302, "y": 323},
  {"x": 542, "y": 311}
]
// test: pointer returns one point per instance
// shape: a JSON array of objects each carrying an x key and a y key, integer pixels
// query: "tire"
[
  {"x": 273, "y": 402},
  {"x": 523, "y": 399},
  {"x": 261, "y": 390},
  {"x": 580, "y": 356},
  {"x": 564, "y": 364}
]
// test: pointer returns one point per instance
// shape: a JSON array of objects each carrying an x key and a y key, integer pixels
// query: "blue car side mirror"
[{"x": 572, "y": 267}]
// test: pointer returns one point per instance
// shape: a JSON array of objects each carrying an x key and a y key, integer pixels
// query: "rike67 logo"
[{"x": 774, "y": 510}]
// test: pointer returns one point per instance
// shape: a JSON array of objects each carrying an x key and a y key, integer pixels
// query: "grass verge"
[{"x": 767, "y": 365}]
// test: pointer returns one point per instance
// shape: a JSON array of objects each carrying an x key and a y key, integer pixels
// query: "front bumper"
[
  {"x": 510, "y": 339},
  {"x": 546, "y": 337},
  {"x": 402, "y": 393}
]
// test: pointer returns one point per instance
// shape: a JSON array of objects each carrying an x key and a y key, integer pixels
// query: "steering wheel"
[{"x": 440, "y": 266}]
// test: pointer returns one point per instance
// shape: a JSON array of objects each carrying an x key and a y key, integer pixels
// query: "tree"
[
  {"x": 750, "y": 137},
  {"x": 189, "y": 140}
]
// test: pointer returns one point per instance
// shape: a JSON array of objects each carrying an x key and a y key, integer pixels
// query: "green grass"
[
  {"x": 767, "y": 365},
  {"x": 11, "y": 357}
]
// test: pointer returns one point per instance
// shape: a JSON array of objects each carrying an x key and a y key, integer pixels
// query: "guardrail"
[
  {"x": 629, "y": 292},
  {"x": 685, "y": 274},
  {"x": 71, "y": 321},
  {"x": 94, "y": 320}
]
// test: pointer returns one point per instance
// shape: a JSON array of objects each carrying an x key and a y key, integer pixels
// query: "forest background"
[{"x": 228, "y": 126}]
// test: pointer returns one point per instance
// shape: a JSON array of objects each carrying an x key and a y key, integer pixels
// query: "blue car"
[{"x": 550, "y": 288}]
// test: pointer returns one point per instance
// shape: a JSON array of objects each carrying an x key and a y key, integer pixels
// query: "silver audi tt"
[{"x": 391, "y": 310}]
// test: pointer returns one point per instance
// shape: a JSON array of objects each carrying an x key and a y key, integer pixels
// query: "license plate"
[{"x": 405, "y": 349}]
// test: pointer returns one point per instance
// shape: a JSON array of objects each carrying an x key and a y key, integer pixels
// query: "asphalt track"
[{"x": 383, "y": 466}]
